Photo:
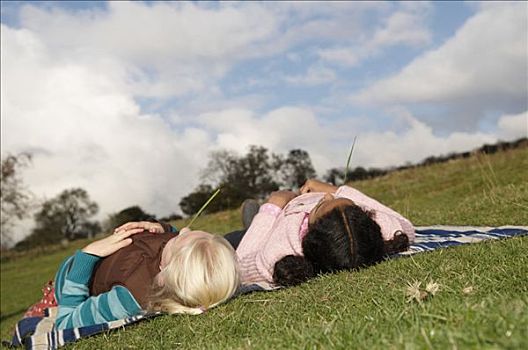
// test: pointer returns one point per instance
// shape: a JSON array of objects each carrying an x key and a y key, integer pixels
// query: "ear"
[
  {"x": 159, "y": 279},
  {"x": 370, "y": 213}
]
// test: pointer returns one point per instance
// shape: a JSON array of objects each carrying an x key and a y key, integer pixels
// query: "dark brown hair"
[{"x": 345, "y": 238}]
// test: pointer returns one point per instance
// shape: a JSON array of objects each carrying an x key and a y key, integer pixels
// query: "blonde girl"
[{"x": 143, "y": 267}]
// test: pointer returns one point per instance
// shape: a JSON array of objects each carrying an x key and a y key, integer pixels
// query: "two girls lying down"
[{"x": 146, "y": 266}]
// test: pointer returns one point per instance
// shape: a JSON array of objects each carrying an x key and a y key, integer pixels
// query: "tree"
[
  {"x": 295, "y": 169},
  {"x": 191, "y": 203},
  {"x": 253, "y": 175},
  {"x": 359, "y": 173},
  {"x": 133, "y": 213},
  {"x": 335, "y": 176},
  {"x": 66, "y": 216},
  {"x": 221, "y": 164},
  {"x": 16, "y": 200},
  {"x": 248, "y": 176}
]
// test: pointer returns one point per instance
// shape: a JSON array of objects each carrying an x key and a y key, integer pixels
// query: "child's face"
[
  {"x": 185, "y": 237},
  {"x": 326, "y": 205}
]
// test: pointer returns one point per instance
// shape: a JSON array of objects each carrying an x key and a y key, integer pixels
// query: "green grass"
[
  {"x": 363, "y": 309},
  {"x": 482, "y": 190}
]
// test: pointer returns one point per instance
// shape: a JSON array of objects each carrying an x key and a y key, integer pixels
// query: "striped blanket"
[{"x": 40, "y": 333}]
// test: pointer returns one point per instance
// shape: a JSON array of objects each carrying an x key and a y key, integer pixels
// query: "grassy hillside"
[{"x": 482, "y": 301}]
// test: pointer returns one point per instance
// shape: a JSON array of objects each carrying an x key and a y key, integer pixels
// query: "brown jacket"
[{"x": 133, "y": 267}]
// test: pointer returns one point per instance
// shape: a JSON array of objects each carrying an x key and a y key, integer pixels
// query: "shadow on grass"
[{"x": 11, "y": 314}]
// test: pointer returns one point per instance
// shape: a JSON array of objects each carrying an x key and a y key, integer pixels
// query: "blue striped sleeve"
[
  {"x": 77, "y": 308},
  {"x": 168, "y": 227}
]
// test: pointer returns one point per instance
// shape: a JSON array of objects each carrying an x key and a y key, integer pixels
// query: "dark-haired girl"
[{"x": 324, "y": 229}]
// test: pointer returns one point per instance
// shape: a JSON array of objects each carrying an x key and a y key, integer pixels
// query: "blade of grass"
[
  {"x": 203, "y": 207},
  {"x": 348, "y": 160}
]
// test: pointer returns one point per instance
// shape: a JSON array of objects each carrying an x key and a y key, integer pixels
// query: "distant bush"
[
  {"x": 133, "y": 213},
  {"x": 171, "y": 217}
]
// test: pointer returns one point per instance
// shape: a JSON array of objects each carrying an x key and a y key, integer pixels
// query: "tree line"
[
  {"x": 69, "y": 215},
  {"x": 253, "y": 175},
  {"x": 258, "y": 172},
  {"x": 65, "y": 217}
]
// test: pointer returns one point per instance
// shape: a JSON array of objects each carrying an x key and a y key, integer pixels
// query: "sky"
[{"x": 128, "y": 99}]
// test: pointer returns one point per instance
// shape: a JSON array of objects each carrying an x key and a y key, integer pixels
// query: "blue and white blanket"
[
  {"x": 433, "y": 237},
  {"x": 40, "y": 333}
]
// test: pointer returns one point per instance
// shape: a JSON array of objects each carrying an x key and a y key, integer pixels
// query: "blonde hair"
[{"x": 199, "y": 276}]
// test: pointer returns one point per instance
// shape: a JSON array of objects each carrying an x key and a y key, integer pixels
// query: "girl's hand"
[
  {"x": 110, "y": 244},
  {"x": 281, "y": 198},
  {"x": 313, "y": 185},
  {"x": 140, "y": 226}
]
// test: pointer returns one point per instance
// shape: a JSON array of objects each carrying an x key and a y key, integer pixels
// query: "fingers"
[
  {"x": 155, "y": 230},
  {"x": 128, "y": 233},
  {"x": 152, "y": 227},
  {"x": 110, "y": 244},
  {"x": 123, "y": 227},
  {"x": 124, "y": 243},
  {"x": 129, "y": 225},
  {"x": 132, "y": 231}
]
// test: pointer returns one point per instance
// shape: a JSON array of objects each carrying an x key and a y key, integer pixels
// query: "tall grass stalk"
[
  {"x": 348, "y": 160},
  {"x": 203, "y": 207}
]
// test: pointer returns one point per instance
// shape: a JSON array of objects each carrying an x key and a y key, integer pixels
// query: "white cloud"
[
  {"x": 513, "y": 126},
  {"x": 167, "y": 49},
  {"x": 346, "y": 56},
  {"x": 416, "y": 142},
  {"x": 483, "y": 63},
  {"x": 279, "y": 130},
  {"x": 287, "y": 128},
  {"x": 329, "y": 22},
  {"x": 155, "y": 50},
  {"x": 156, "y": 33},
  {"x": 315, "y": 75},
  {"x": 84, "y": 131},
  {"x": 406, "y": 26}
]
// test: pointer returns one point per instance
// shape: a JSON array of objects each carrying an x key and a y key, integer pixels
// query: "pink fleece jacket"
[{"x": 275, "y": 233}]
